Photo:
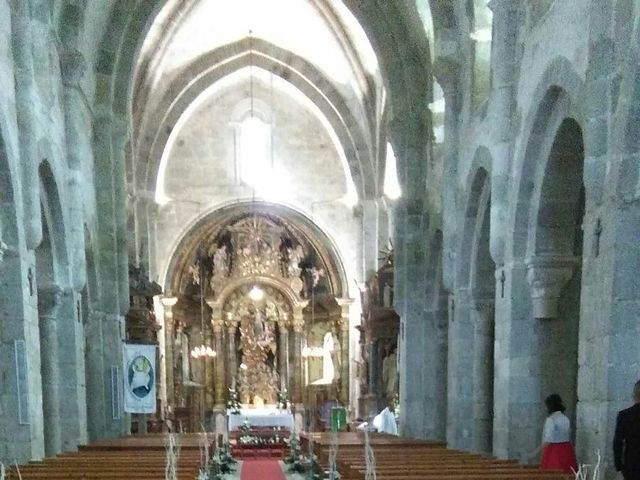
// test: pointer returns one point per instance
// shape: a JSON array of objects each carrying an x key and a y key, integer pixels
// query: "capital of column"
[
  {"x": 547, "y": 275},
  {"x": 284, "y": 322},
  {"x": 482, "y": 301},
  {"x": 168, "y": 303},
  {"x": 297, "y": 323},
  {"x": 345, "y": 304},
  {"x": 49, "y": 299}
]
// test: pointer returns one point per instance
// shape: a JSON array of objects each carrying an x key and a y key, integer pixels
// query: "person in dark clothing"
[{"x": 626, "y": 443}]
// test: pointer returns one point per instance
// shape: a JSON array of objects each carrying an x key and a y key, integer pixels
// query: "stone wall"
[
  {"x": 47, "y": 170},
  {"x": 567, "y": 60}
]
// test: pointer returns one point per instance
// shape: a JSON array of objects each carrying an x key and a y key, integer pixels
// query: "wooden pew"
[
  {"x": 406, "y": 459},
  {"x": 142, "y": 457}
]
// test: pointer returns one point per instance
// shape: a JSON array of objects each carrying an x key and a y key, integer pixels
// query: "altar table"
[{"x": 261, "y": 418}]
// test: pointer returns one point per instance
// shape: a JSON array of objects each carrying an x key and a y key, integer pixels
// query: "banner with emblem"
[{"x": 139, "y": 378}]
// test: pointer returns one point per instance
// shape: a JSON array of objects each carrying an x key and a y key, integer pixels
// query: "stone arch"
[
  {"x": 216, "y": 65},
  {"x": 194, "y": 231},
  {"x": 554, "y": 268},
  {"x": 473, "y": 330},
  {"x": 547, "y": 242},
  {"x": 53, "y": 221},
  {"x": 553, "y": 100}
]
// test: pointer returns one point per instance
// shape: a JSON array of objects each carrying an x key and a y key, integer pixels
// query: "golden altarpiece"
[{"x": 262, "y": 294}]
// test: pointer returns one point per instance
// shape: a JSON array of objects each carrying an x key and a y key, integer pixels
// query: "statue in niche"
[
  {"x": 221, "y": 262},
  {"x": 259, "y": 325},
  {"x": 336, "y": 354},
  {"x": 295, "y": 256},
  {"x": 328, "y": 367},
  {"x": 390, "y": 373},
  {"x": 387, "y": 296}
]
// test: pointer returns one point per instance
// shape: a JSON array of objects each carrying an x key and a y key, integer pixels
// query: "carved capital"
[
  {"x": 217, "y": 324},
  {"x": 297, "y": 323},
  {"x": 547, "y": 275},
  {"x": 482, "y": 301},
  {"x": 49, "y": 299},
  {"x": 169, "y": 302}
]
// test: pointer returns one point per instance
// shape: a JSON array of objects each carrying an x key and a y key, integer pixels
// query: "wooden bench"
[
  {"x": 142, "y": 457},
  {"x": 406, "y": 459}
]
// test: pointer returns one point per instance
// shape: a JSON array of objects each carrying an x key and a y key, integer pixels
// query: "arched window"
[
  {"x": 254, "y": 159},
  {"x": 481, "y": 34},
  {"x": 391, "y": 184}
]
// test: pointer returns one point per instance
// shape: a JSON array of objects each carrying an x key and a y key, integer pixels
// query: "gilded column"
[
  {"x": 283, "y": 350},
  {"x": 169, "y": 362},
  {"x": 231, "y": 352},
  {"x": 217, "y": 322},
  {"x": 343, "y": 323},
  {"x": 298, "y": 327},
  {"x": 49, "y": 299},
  {"x": 209, "y": 370}
]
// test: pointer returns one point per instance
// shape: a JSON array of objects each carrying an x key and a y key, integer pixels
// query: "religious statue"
[
  {"x": 387, "y": 296},
  {"x": 258, "y": 324},
  {"x": 295, "y": 256},
  {"x": 336, "y": 357},
  {"x": 221, "y": 262},
  {"x": 390, "y": 374},
  {"x": 328, "y": 367}
]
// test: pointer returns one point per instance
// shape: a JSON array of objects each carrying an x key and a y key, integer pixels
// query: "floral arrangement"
[
  {"x": 283, "y": 399},
  {"x": 219, "y": 464},
  {"x": 583, "y": 470},
  {"x": 233, "y": 404}
]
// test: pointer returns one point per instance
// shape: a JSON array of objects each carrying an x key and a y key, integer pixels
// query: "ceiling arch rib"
[
  {"x": 322, "y": 31},
  {"x": 206, "y": 71}
]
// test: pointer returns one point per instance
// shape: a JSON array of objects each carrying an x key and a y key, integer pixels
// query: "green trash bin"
[{"x": 338, "y": 418}]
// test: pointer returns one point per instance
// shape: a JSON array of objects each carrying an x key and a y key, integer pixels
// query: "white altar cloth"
[{"x": 261, "y": 417}]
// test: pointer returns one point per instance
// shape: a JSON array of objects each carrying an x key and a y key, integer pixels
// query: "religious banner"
[{"x": 139, "y": 378}]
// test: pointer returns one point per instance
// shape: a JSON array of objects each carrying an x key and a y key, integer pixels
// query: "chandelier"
[{"x": 203, "y": 350}]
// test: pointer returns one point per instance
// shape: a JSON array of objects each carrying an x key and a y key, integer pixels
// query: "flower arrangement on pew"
[
  {"x": 218, "y": 465},
  {"x": 583, "y": 470}
]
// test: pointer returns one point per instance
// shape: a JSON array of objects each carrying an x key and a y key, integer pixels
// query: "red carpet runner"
[{"x": 261, "y": 470}]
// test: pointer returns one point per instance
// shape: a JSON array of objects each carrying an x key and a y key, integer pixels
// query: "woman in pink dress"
[{"x": 557, "y": 451}]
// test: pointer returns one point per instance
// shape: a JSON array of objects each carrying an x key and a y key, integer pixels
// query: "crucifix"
[
  {"x": 598, "y": 234},
  {"x": 503, "y": 279}
]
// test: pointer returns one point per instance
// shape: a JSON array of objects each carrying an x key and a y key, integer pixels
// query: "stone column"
[
  {"x": 283, "y": 349},
  {"x": 168, "y": 303},
  {"x": 298, "y": 327},
  {"x": 547, "y": 275},
  {"x": 49, "y": 299},
  {"x": 482, "y": 316},
  {"x": 460, "y": 368},
  {"x": 343, "y": 323}
]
